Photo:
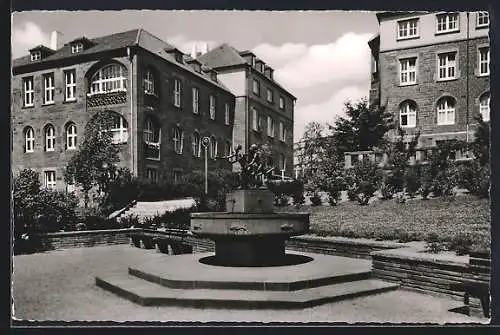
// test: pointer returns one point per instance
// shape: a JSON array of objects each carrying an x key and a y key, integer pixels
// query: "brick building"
[
  {"x": 263, "y": 108},
  {"x": 163, "y": 102},
  {"x": 431, "y": 70}
]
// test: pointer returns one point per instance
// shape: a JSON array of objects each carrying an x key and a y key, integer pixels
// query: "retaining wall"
[{"x": 89, "y": 238}]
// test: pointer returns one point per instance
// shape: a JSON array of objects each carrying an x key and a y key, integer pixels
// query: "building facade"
[
  {"x": 263, "y": 109},
  {"x": 431, "y": 71},
  {"x": 163, "y": 103}
]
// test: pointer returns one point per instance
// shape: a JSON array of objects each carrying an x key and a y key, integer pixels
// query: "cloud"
[
  {"x": 301, "y": 66},
  {"x": 186, "y": 45},
  {"x": 327, "y": 111},
  {"x": 27, "y": 36}
]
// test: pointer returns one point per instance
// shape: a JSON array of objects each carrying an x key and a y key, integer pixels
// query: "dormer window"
[
  {"x": 77, "y": 47},
  {"x": 36, "y": 55},
  {"x": 178, "y": 57}
]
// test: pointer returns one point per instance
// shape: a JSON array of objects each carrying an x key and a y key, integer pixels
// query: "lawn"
[{"x": 463, "y": 216}]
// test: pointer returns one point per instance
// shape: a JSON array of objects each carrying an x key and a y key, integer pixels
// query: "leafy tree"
[
  {"x": 313, "y": 145},
  {"x": 481, "y": 144},
  {"x": 365, "y": 177}
]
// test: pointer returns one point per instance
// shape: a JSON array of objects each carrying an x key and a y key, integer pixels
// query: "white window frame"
[
  {"x": 446, "y": 111},
  {"x": 409, "y": 30},
  {"x": 50, "y": 179},
  {"x": 282, "y": 161},
  {"x": 282, "y": 131},
  {"x": 29, "y": 92},
  {"x": 119, "y": 130},
  {"x": 76, "y": 47},
  {"x": 407, "y": 71},
  {"x": 282, "y": 103},
  {"x": 269, "y": 95},
  {"x": 409, "y": 110},
  {"x": 29, "y": 140},
  {"x": 446, "y": 65},
  {"x": 484, "y": 60},
  {"x": 255, "y": 115},
  {"x": 227, "y": 114},
  {"x": 270, "y": 126},
  {"x": 196, "y": 143},
  {"x": 36, "y": 55},
  {"x": 484, "y": 106},
  {"x": 70, "y": 83},
  {"x": 212, "y": 107},
  {"x": 256, "y": 86},
  {"x": 110, "y": 75},
  {"x": 196, "y": 100},
  {"x": 149, "y": 82},
  {"x": 482, "y": 16},
  {"x": 48, "y": 88},
  {"x": 149, "y": 132},
  {"x": 177, "y": 93},
  {"x": 71, "y": 136},
  {"x": 178, "y": 139},
  {"x": 443, "y": 26},
  {"x": 213, "y": 147},
  {"x": 50, "y": 137}
]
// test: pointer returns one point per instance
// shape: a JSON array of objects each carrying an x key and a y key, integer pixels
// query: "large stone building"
[
  {"x": 431, "y": 70},
  {"x": 163, "y": 102},
  {"x": 263, "y": 109}
]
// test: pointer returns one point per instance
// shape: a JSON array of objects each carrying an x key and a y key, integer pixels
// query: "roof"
[
  {"x": 384, "y": 15},
  {"x": 136, "y": 37},
  {"x": 42, "y": 48}
]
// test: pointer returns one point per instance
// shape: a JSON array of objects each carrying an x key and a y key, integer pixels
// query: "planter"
[{"x": 148, "y": 242}]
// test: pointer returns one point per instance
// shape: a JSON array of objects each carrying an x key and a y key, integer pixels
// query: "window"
[
  {"x": 483, "y": 19},
  {"x": 36, "y": 55},
  {"x": 256, "y": 87},
  {"x": 447, "y": 65},
  {"x": 29, "y": 92},
  {"x": 282, "y": 162},
  {"x": 282, "y": 103},
  {"x": 196, "y": 100},
  {"x": 29, "y": 140},
  {"x": 151, "y": 133},
  {"x": 484, "y": 106},
  {"x": 178, "y": 138},
  {"x": 151, "y": 174},
  {"x": 282, "y": 131},
  {"x": 119, "y": 130},
  {"x": 177, "y": 93},
  {"x": 213, "y": 147},
  {"x": 446, "y": 111},
  {"x": 408, "y": 29},
  {"x": 111, "y": 78},
  {"x": 70, "y": 186},
  {"x": 196, "y": 145},
  {"x": 70, "y": 80},
  {"x": 50, "y": 179},
  {"x": 408, "y": 71},
  {"x": 447, "y": 22},
  {"x": 149, "y": 82},
  {"x": 212, "y": 107},
  {"x": 408, "y": 114},
  {"x": 484, "y": 61},
  {"x": 71, "y": 136},
  {"x": 177, "y": 176},
  {"x": 50, "y": 138},
  {"x": 48, "y": 88},
  {"x": 270, "y": 97},
  {"x": 270, "y": 126},
  {"x": 228, "y": 149},
  {"x": 254, "y": 119},
  {"x": 261, "y": 123},
  {"x": 77, "y": 47},
  {"x": 227, "y": 119}
]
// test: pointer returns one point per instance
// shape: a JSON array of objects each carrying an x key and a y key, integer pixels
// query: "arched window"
[
  {"x": 484, "y": 106},
  {"x": 408, "y": 114},
  {"x": 228, "y": 149},
  {"x": 151, "y": 132},
  {"x": 29, "y": 140},
  {"x": 196, "y": 145},
  {"x": 110, "y": 78},
  {"x": 70, "y": 136},
  {"x": 213, "y": 147},
  {"x": 178, "y": 138},
  {"x": 446, "y": 111},
  {"x": 149, "y": 82},
  {"x": 119, "y": 129},
  {"x": 50, "y": 138}
]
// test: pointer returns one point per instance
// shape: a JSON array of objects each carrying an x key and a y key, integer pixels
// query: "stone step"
[{"x": 150, "y": 294}]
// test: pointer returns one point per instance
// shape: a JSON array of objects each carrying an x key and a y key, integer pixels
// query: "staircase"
[{"x": 148, "y": 209}]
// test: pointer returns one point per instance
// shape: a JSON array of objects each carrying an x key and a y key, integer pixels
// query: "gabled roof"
[
  {"x": 222, "y": 56},
  {"x": 42, "y": 48}
]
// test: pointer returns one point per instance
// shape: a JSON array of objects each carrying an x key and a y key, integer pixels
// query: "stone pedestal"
[
  {"x": 250, "y": 201},
  {"x": 252, "y": 251}
]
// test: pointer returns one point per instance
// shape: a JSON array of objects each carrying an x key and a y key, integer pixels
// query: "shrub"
[
  {"x": 366, "y": 178},
  {"x": 461, "y": 243},
  {"x": 334, "y": 197},
  {"x": 475, "y": 178},
  {"x": 434, "y": 243},
  {"x": 412, "y": 181},
  {"x": 315, "y": 199},
  {"x": 386, "y": 190}
]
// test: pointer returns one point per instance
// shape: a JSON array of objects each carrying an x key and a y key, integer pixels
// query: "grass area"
[{"x": 461, "y": 217}]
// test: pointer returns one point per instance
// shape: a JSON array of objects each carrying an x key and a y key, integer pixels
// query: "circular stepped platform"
[{"x": 184, "y": 281}]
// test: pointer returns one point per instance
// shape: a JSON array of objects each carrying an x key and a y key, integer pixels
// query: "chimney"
[
  {"x": 55, "y": 40},
  {"x": 207, "y": 48},
  {"x": 193, "y": 51}
]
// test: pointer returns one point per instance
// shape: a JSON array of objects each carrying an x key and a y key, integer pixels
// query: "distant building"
[
  {"x": 431, "y": 70},
  {"x": 264, "y": 109},
  {"x": 163, "y": 102}
]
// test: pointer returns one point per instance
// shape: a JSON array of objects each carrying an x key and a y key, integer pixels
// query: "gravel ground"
[{"x": 59, "y": 285}]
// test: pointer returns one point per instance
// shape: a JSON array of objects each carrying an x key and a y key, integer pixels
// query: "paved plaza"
[{"x": 60, "y": 285}]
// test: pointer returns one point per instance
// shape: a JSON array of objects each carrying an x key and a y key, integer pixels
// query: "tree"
[
  {"x": 94, "y": 164},
  {"x": 481, "y": 144}
]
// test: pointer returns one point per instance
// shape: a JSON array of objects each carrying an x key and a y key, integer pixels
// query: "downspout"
[
  {"x": 467, "y": 85},
  {"x": 247, "y": 105},
  {"x": 131, "y": 135}
]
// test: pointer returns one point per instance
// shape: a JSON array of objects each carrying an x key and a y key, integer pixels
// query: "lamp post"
[{"x": 206, "y": 142}]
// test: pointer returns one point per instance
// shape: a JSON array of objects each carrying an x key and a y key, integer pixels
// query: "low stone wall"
[{"x": 89, "y": 238}]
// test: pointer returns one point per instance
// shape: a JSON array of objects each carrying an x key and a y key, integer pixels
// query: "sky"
[{"x": 321, "y": 57}]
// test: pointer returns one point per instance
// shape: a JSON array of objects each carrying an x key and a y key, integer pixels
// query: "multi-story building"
[
  {"x": 431, "y": 71},
  {"x": 162, "y": 100},
  {"x": 263, "y": 108}
]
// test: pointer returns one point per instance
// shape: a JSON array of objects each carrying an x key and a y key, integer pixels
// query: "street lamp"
[{"x": 206, "y": 142}]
